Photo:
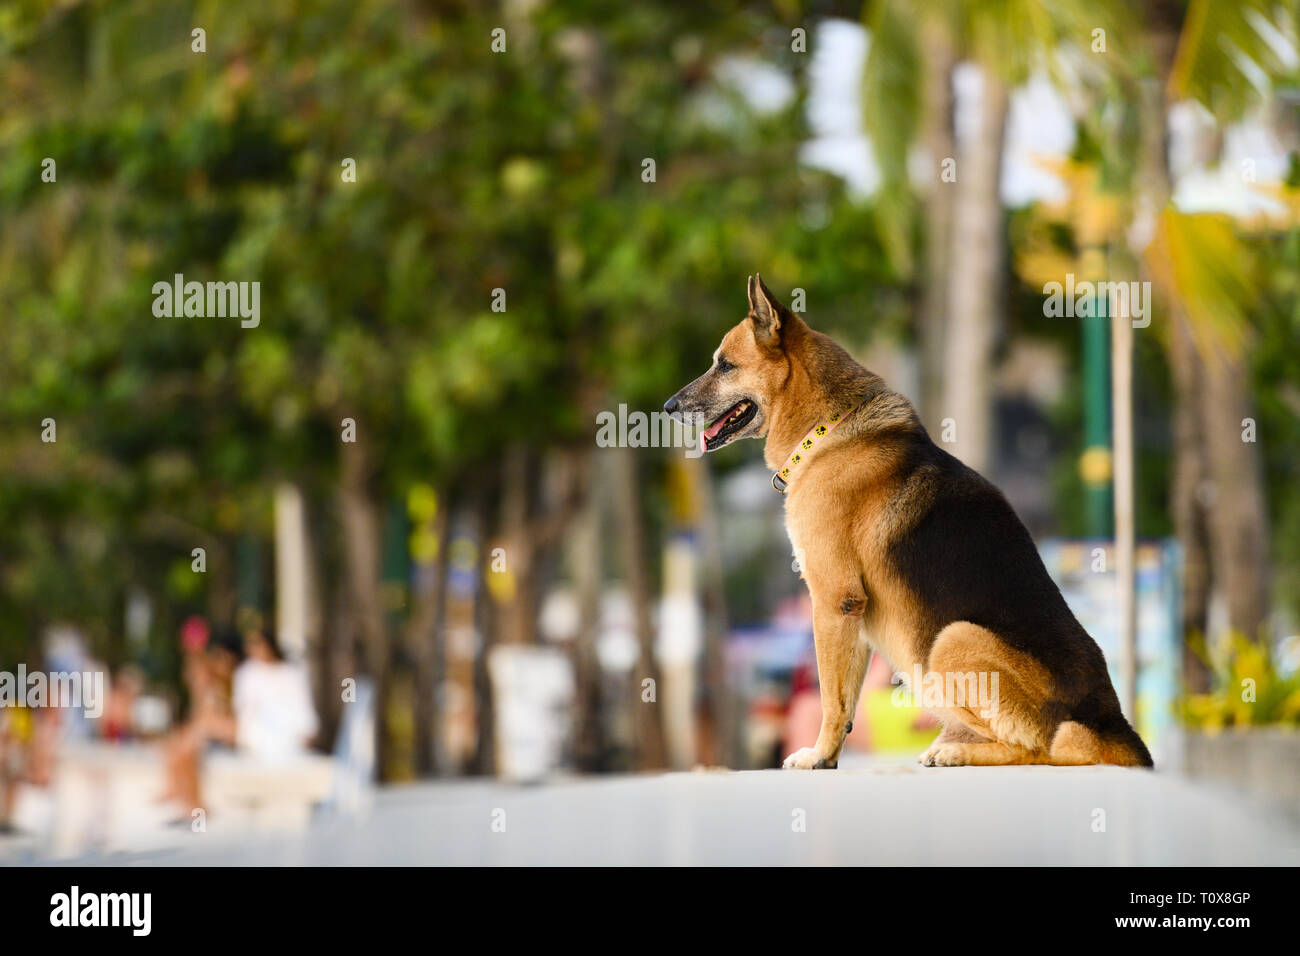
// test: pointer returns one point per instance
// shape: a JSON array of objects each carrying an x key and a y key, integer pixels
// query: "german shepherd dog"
[{"x": 906, "y": 550}]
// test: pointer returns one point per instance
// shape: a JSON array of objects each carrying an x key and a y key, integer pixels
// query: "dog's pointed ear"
[{"x": 766, "y": 312}]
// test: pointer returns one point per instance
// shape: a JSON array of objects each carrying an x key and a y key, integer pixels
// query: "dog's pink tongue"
[{"x": 713, "y": 429}]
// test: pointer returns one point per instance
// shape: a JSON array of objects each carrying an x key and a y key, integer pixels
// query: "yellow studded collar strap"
[{"x": 802, "y": 451}]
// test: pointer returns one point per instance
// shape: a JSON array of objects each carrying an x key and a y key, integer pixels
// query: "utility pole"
[
  {"x": 1096, "y": 466},
  {"x": 1125, "y": 510}
]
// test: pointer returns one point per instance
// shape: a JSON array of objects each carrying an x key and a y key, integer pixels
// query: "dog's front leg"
[{"x": 842, "y": 656}]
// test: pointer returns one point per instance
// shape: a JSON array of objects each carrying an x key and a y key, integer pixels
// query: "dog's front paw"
[{"x": 807, "y": 758}]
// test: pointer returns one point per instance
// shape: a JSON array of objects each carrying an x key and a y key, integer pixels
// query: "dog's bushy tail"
[
  {"x": 1126, "y": 742},
  {"x": 1116, "y": 743}
]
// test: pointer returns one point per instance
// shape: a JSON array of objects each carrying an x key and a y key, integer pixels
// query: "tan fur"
[
  {"x": 1017, "y": 732},
  {"x": 1074, "y": 744}
]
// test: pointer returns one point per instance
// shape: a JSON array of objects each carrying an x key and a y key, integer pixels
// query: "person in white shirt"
[{"x": 274, "y": 716}]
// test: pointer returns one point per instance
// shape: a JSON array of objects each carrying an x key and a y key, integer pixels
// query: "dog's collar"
[{"x": 802, "y": 451}]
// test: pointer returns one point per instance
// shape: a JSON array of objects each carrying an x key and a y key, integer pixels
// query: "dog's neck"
[{"x": 817, "y": 388}]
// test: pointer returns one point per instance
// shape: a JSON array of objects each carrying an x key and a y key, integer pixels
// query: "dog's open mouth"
[{"x": 732, "y": 421}]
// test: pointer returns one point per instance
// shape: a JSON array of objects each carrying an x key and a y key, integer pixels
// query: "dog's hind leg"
[
  {"x": 997, "y": 694},
  {"x": 955, "y": 732},
  {"x": 988, "y": 753},
  {"x": 958, "y": 745}
]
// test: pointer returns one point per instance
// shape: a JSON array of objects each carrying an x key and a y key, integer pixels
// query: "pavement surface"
[{"x": 888, "y": 815}]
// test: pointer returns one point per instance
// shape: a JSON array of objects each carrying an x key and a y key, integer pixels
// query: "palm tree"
[
  {"x": 1007, "y": 40},
  {"x": 1203, "y": 51},
  {"x": 1212, "y": 54}
]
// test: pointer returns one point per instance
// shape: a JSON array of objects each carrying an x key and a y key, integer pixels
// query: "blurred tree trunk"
[
  {"x": 360, "y": 520},
  {"x": 1124, "y": 482},
  {"x": 296, "y": 616},
  {"x": 516, "y": 592},
  {"x": 1220, "y": 508},
  {"x": 1190, "y": 479},
  {"x": 586, "y": 560},
  {"x": 325, "y": 691},
  {"x": 718, "y": 743},
  {"x": 539, "y": 501},
  {"x": 223, "y": 595},
  {"x": 629, "y": 517},
  {"x": 1220, "y": 514},
  {"x": 974, "y": 295},
  {"x": 483, "y": 637},
  {"x": 341, "y": 643},
  {"x": 1189, "y": 471},
  {"x": 937, "y": 134},
  {"x": 1238, "y": 516}
]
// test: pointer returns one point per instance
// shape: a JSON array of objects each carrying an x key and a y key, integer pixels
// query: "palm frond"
[
  {"x": 1229, "y": 53},
  {"x": 1201, "y": 262}
]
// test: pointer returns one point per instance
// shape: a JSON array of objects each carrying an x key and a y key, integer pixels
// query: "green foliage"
[
  {"x": 1225, "y": 47},
  {"x": 476, "y": 171},
  {"x": 1277, "y": 369},
  {"x": 1252, "y": 689}
]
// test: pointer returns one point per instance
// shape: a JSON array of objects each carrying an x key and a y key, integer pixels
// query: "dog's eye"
[{"x": 724, "y": 365}]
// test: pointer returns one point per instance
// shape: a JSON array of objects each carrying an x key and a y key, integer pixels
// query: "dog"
[{"x": 908, "y": 552}]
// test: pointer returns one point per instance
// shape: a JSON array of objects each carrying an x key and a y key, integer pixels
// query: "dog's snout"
[{"x": 671, "y": 405}]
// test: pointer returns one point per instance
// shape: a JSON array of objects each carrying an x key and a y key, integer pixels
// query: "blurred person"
[
  {"x": 117, "y": 724},
  {"x": 28, "y": 747},
  {"x": 65, "y": 652},
  {"x": 208, "y": 671},
  {"x": 194, "y": 635},
  {"x": 259, "y": 707},
  {"x": 43, "y": 745},
  {"x": 10, "y": 764},
  {"x": 274, "y": 714}
]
